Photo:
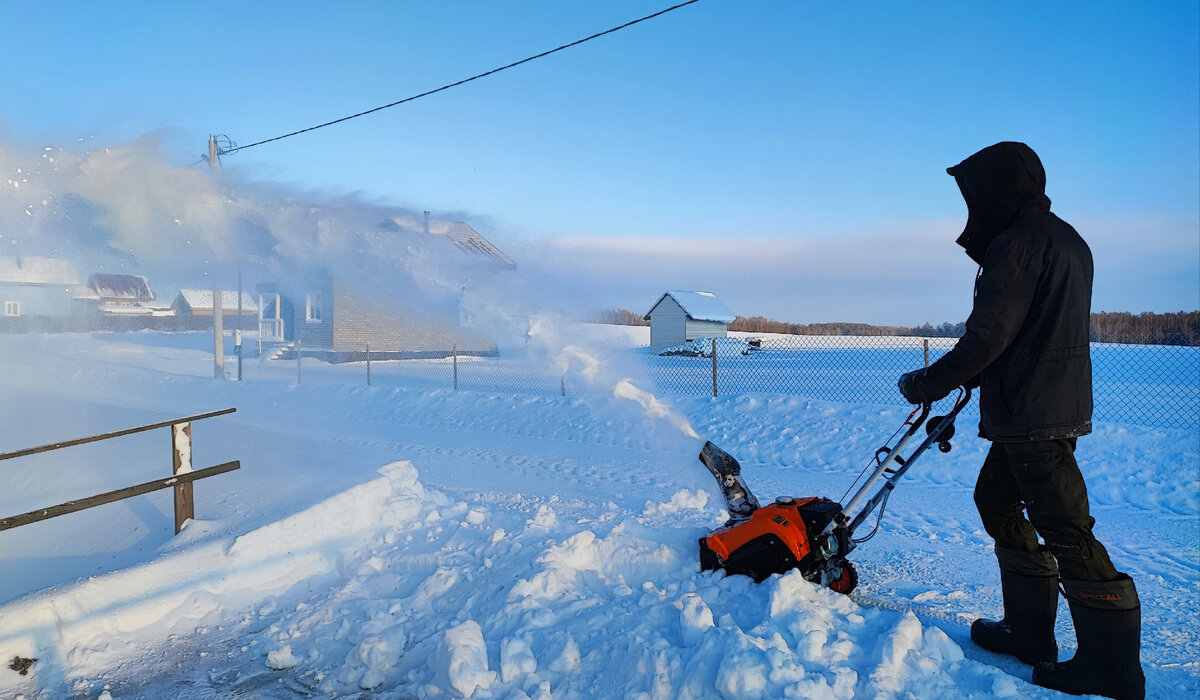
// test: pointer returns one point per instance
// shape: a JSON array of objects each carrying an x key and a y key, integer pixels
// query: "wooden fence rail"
[{"x": 181, "y": 480}]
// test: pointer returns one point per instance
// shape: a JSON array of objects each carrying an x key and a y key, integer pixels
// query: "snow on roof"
[
  {"x": 203, "y": 299},
  {"x": 122, "y": 310},
  {"x": 84, "y": 293},
  {"x": 111, "y": 286},
  {"x": 699, "y": 306},
  {"x": 23, "y": 269},
  {"x": 468, "y": 240},
  {"x": 465, "y": 238}
]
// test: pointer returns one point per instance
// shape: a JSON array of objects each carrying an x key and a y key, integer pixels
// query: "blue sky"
[{"x": 789, "y": 156}]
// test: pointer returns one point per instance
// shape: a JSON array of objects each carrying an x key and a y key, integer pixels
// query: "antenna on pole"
[
  {"x": 218, "y": 145},
  {"x": 213, "y": 154}
]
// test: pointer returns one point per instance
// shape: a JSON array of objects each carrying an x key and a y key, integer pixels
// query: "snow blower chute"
[{"x": 813, "y": 534}]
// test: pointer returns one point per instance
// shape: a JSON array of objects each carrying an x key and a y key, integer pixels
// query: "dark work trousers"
[{"x": 1041, "y": 479}]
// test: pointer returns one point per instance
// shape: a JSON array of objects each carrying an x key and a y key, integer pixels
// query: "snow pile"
[
  {"x": 703, "y": 347},
  {"x": 395, "y": 587},
  {"x": 441, "y": 599},
  {"x": 153, "y": 599}
]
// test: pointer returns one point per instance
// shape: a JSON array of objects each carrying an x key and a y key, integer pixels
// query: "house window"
[
  {"x": 312, "y": 308},
  {"x": 12, "y": 308}
]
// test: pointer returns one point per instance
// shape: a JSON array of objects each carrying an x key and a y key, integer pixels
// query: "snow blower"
[{"x": 813, "y": 534}]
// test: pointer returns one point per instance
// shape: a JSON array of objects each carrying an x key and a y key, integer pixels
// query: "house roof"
[
  {"x": 699, "y": 306},
  {"x": 203, "y": 299},
  {"x": 84, "y": 293},
  {"x": 469, "y": 241},
  {"x": 23, "y": 269},
  {"x": 466, "y": 239},
  {"x": 133, "y": 287}
]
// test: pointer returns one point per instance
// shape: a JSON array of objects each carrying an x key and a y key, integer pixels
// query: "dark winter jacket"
[{"x": 1026, "y": 340}]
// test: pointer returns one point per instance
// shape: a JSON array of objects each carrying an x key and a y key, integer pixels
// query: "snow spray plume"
[
  {"x": 124, "y": 208},
  {"x": 594, "y": 368},
  {"x": 653, "y": 406}
]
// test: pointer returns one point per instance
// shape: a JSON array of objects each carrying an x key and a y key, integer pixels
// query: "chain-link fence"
[
  {"x": 504, "y": 372},
  {"x": 507, "y": 372},
  {"x": 1153, "y": 385}
]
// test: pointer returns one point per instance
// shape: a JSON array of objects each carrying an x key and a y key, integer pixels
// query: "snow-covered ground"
[{"x": 394, "y": 543}]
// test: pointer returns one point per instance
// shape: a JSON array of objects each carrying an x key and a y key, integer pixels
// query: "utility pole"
[
  {"x": 238, "y": 328},
  {"x": 213, "y": 159},
  {"x": 218, "y": 334},
  {"x": 218, "y": 326}
]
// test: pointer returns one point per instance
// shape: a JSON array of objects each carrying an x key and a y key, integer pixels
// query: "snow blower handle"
[{"x": 936, "y": 432}]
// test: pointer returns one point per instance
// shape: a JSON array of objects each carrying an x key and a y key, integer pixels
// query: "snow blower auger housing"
[{"x": 813, "y": 534}]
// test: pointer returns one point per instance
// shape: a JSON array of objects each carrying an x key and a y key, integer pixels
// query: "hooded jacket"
[{"x": 1026, "y": 340}]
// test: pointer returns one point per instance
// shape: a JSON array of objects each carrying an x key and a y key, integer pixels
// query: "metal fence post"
[
  {"x": 454, "y": 352},
  {"x": 926, "y": 342},
  {"x": 297, "y": 361},
  {"x": 562, "y": 386},
  {"x": 181, "y": 447},
  {"x": 368, "y": 364},
  {"x": 714, "y": 354}
]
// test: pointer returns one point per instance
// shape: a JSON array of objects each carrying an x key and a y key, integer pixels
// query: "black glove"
[{"x": 913, "y": 388}]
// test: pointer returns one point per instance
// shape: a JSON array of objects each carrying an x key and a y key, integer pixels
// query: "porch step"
[{"x": 282, "y": 351}]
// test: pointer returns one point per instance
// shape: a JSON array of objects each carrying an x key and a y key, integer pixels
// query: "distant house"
[
  {"x": 120, "y": 290},
  {"x": 342, "y": 321},
  {"x": 37, "y": 293},
  {"x": 680, "y": 316},
  {"x": 193, "y": 309},
  {"x": 122, "y": 302}
]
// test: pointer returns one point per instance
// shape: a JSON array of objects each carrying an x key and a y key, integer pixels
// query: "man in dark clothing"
[{"x": 1026, "y": 348}]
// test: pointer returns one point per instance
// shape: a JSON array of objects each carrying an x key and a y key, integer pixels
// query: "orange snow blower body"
[
  {"x": 775, "y": 539},
  {"x": 813, "y": 534}
]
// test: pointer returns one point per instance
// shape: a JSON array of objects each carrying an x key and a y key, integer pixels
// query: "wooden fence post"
[
  {"x": 181, "y": 446},
  {"x": 714, "y": 354},
  {"x": 180, "y": 480}
]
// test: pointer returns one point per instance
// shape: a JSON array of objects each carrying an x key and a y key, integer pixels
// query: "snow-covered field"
[{"x": 391, "y": 542}]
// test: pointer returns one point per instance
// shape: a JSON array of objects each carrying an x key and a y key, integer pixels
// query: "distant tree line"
[
  {"x": 758, "y": 324},
  {"x": 1178, "y": 328},
  {"x": 622, "y": 317}
]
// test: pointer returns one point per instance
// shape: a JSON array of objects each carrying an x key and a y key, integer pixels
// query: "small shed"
[
  {"x": 680, "y": 316},
  {"x": 193, "y": 309}
]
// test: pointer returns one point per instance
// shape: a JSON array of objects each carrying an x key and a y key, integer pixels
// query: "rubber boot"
[
  {"x": 1029, "y": 583},
  {"x": 1108, "y": 625}
]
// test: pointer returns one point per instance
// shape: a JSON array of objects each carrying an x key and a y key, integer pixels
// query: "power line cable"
[{"x": 235, "y": 148}]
